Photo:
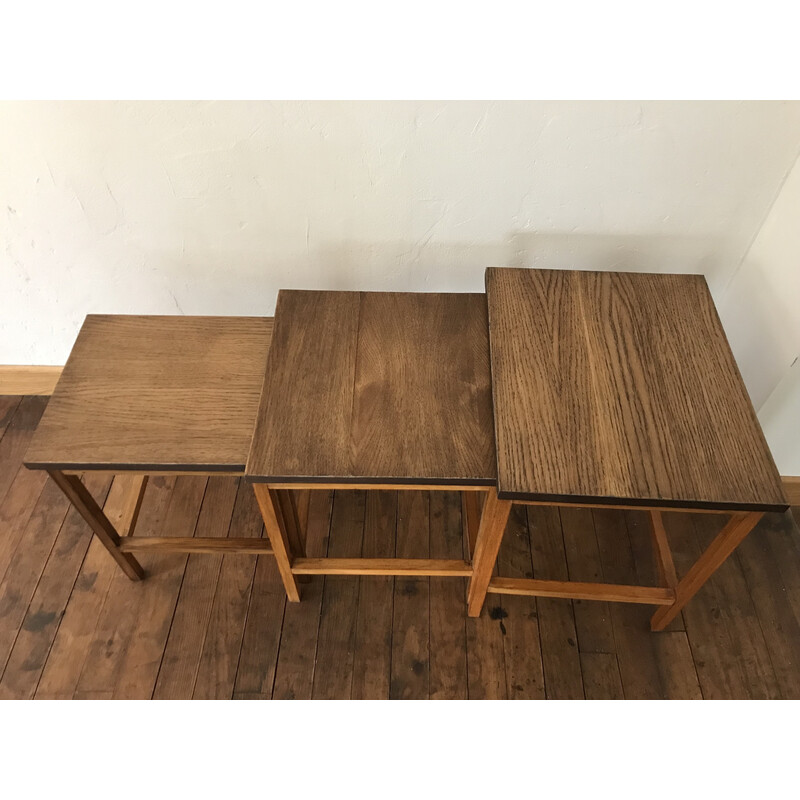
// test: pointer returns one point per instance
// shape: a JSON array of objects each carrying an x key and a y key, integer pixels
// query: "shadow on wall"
[{"x": 245, "y": 283}]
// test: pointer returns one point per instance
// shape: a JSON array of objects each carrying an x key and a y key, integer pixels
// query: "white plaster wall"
[
  {"x": 760, "y": 308},
  {"x": 209, "y": 208},
  {"x": 780, "y": 419},
  {"x": 761, "y": 312}
]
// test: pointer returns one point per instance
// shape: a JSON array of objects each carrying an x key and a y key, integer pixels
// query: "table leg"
[
  {"x": 490, "y": 533},
  {"x": 272, "y": 510},
  {"x": 294, "y": 535},
  {"x": 471, "y": 509},
  {"x": 726, "y": 541},
  {"x": 100, "y": 524}
]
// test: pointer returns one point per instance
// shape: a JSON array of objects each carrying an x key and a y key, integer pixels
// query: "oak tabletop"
[
  {"x": 621, "y": 387},
  {"x": 156, "y": 393},
  {"x": 376, "y": 387}
]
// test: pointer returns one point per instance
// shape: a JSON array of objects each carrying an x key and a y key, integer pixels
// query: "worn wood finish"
[
  {"x": 576, "y": 590},
  {"x": 162, "y": 393},
  {"x": 87, "y": 507},
  {"x": 621, "y": 388},
  {"x": 376, "y": 387}
]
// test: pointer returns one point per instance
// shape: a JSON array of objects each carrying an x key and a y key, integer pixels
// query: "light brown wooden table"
[
  {"x": 147, "y": 395},
  {"x": 620, "y": 390},
  {"x": 374, "y": 390}
]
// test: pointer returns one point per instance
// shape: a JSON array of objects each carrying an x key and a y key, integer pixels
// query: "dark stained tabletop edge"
[
  {"x": 131, "y": 466},
  {"x": 356, "y": 480},
  {"x": 644, "y": 502}
]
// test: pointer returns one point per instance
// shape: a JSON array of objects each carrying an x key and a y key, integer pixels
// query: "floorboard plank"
[
  {"x": 142, "y": 660},
  {"x": 486, "y": 670},
  {"x": 601, "y": 678},
  {"x": 778, "y": 622},
  {"x": 16, "y": 510},
  {"x": 644, "y": 558},
  {"x": 592, "y": 618},
  {"x": 113, "y": 630},
  {"x": 333, "y": 675},
  {"x": 721, "y": 676},
  {"x": 519, "y": 622},
  {"x": 636, "y": 656},
  {"x": 671, "y": 650},
  {"x": 562, "y": 667},
  {"x": 258, "y": 658},
  {"x": 16, "y": 437},
  {"x": 28, "y": 563},
  {"x": 181, "y": 659},
  {"x": 737, "y": 609},
  {"x": 216, "y": 676},
  {"x": 410, "y": 675},
  {"x": 372, "y": 659},
  {"x": 448, "y": 632},
  {"x": 46, "y": 607},
  {"x": 294, "y": 673},
  {"x": 8, "y": 405},
  {"x": 783, "y": 536},
  {"x": 678, "y": 673},
  {"x": 62, "y": 669}
]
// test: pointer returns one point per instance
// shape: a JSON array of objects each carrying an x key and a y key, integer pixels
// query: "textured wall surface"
[
  {"x": 761, "y": 306},
  {"x": 209, "y": 208}
]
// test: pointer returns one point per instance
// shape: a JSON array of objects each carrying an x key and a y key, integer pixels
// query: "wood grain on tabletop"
[
  {"x": 156, "y": 392},
  {"x": 621, "y": 386},
  {"x": 376, "y": 386}
]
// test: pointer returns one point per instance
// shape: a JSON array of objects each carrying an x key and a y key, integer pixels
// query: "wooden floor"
[{"x": 209, "y": 626}]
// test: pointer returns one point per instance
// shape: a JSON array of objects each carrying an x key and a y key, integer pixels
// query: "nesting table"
[
  {"x": 554, "y": 387},
  {"x": 373, "y": 390},
  {"x": 620, "y": 389},
  {"x": 144, "y": 395}
]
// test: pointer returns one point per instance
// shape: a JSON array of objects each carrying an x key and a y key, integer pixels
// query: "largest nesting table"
[{"x": 620, "y": 389}]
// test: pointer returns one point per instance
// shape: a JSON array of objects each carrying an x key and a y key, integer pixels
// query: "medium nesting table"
[
  {"x": 620, "y": 390},
  {"x": 374, "y": 390},
  {"x": 147, "y": 395}
]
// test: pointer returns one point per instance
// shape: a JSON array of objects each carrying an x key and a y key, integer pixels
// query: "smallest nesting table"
[
  {"x": 374, "y": 390},
  {"x": 146, "y": 395}
]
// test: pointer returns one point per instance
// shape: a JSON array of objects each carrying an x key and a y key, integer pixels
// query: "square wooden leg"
[
  {"x": 726, "y": 541},
  {"x": 274, "y": 509},
  {"x": 490, "y": 533},
  {"x": 100, "y": 524},
  {"x": 471, "y": 512}
]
